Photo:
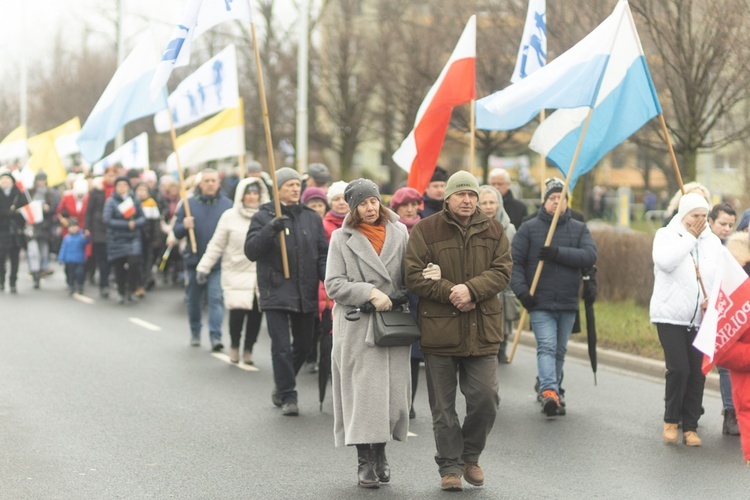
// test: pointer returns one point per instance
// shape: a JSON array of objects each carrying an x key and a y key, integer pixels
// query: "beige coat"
[{"x": 238, "y": 278}]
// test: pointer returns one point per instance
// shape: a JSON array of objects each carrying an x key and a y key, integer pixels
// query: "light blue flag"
[
  {"x": 626, "y": 100},
  {"x": 532, "y": 54},
  {"x": 125, "y": 99}
]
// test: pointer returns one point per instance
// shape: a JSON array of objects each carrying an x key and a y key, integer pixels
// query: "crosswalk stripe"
[
  {"x": 242, "y": 366},
  {"x": 145, "y": 324}
]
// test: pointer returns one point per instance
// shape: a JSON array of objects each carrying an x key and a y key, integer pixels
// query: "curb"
[{"x": 619, "y": 360}]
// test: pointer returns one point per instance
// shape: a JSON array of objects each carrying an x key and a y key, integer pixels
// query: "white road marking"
[
  {"x": 411, "y": 434},
  {"x": 241, "y": 366},
  {"x": 82, "y": 298},
  {"x": 145, "y": 324}
]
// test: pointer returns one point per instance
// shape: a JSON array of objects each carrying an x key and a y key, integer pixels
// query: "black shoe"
[
  {"x": 382, "y": 469},
  {"x": 289, "y": 409},
  {"x": 412, "y": 413},
  {"x": 36, "y": 278},
  {"x": 275, "y": 398},
  {"x": 217, "y": 347},
  {"x": 550, "y": 402},
  {"x": 366, "y": 475},
  {"x": 730, "y": 427}
]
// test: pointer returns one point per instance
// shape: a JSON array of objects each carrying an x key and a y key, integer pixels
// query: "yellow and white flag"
[
  {"x": 44, "y": 150},
  {"x": 219, "y": 137},
  {"x": 13, "y": 147}
]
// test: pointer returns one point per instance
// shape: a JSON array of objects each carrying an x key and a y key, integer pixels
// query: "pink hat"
[
  {"x": 405, "y": 195},
  {"x": 313, "y": 193}
]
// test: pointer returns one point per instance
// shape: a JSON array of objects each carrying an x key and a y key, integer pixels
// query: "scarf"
[
  {"x": 375, "y": 234},
  {"x": 410, "y": 223}
]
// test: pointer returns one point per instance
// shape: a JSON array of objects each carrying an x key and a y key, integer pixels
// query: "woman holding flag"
[
  {"x": 686, "y": 254},
  {"x": 124, "y": 219}
]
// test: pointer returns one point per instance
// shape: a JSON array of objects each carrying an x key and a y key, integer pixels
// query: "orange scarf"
[{"x": 376, "y": 235}]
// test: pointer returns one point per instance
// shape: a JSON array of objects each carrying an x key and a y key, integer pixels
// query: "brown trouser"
[{"x": 477, "y": 378}]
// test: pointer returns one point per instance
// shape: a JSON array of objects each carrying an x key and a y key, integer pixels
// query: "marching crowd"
[{"x": 463, "y": 254}]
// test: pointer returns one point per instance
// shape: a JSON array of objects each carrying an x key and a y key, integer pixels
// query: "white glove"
[
  {"x": 431, "y": 272},
  {"x": 380, "y": 300}
]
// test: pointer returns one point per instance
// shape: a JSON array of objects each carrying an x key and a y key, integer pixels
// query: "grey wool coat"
[{"x": 371, "y": 384}]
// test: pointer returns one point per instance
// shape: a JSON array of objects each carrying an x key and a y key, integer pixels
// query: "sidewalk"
[{"x": 621, "y": 360}]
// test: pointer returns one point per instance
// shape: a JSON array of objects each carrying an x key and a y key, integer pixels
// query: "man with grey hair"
[
  {"x": 206, "y": 207},
  {"x": 499, "y": 178},
  {"x": 318, "y": 176}
]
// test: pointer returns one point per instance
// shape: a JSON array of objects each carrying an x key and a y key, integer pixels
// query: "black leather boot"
[
  {"x": 382, "y": 469},
  {"x": 366, "y": 476},
  {"x": 37, "y": 278},
  {"x": 730, "y": 426}
]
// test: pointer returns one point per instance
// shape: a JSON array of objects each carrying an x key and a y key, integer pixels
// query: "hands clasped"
[{"x": 460, "y": 297}]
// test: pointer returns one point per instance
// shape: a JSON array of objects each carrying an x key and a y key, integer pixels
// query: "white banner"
[
  {"x": 210, "y": 89},
  {"x": 132, "y": 155}
]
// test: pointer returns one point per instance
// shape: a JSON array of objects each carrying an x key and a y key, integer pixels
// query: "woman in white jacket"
[
  {"x": 238, "y": 278},
  {"x": 683, "y": 250}
]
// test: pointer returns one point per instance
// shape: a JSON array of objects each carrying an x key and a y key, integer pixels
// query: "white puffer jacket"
[
  {"x": 238, "y": 277},
  {"x": 677, "y": 297}
]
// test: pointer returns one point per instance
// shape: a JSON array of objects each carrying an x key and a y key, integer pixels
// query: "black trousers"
[
  {"x": 102, "y": 263},
  {"x": 288, "y": 355},
  {"x": 11, "y": 252},
  {"x": 684, "y": 378},
  {"x": 127, "y": 273},
  {"x": 252, "y": 325}
]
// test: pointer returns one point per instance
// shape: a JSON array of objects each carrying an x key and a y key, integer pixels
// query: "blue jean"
[
  {"x": 725, "y": 386},
  {"x": 552, "y": 331},
  {"x": 194, "y": 294},
  {"x": 75, "y": 275}
]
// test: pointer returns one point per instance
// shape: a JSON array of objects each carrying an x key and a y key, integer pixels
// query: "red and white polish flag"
[
  {"x": 419, "y": 152},
  {"x": 728, "y": 313},
  {"x": 127, "y": 208},
  {"x": 33, "y": 212}
]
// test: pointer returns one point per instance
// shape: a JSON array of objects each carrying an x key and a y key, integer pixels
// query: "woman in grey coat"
[{"x": 371, "y": 384}]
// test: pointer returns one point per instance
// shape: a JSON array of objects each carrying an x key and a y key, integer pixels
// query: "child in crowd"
[{"x": 73, "y": 255}]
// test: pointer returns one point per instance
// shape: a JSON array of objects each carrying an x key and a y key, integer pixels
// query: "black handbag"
[{"x": 395, "y": 328}]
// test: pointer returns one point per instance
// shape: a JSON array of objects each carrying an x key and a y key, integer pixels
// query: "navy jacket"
[
  {"x": 558, "y": 285},
  {"x": 307, "y": 251},
  {"x": 121, "y": 240},
  {"x": 207, "y": 211}
]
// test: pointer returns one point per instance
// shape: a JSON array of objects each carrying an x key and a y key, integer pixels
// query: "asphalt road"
[{"x": 103, "y": 401}]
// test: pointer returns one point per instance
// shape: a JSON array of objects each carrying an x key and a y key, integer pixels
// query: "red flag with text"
[
  {"x": 419, "y": 152},
  {"x": 728, "y": 313}
]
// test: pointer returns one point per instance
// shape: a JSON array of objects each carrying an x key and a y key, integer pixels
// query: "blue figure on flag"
[
  {"x": 228, "y": 4},
  {"x": 193, "y": 107},
  {"x": 536, "y": 43},
  {"x": 218, "y": 68},
  {"x": 202, "y": 94},
  {"x": 134, "y": 151}
]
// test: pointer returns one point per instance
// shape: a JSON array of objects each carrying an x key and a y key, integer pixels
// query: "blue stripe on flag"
[
  {"x": 575, "y": 88},
  {"x": 625, "y": 110}
]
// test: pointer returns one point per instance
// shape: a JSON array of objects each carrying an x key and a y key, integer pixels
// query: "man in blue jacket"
[
  {"x": 552, "y": 308},
  {"x": 206, "y": 207},
  {"x": 292, "y": 301}
]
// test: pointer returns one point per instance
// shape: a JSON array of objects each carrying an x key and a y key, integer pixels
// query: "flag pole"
[
  {"x": 183, "y": 194},
  {"x": 671, "y": 152},
  {"x": 472, "y": 136},
  {"x": 269, "y": 147},
  {"x": 551, "y": 231},
  {"x": 241, "y": 158},
  {"x": 542, "y": 164}
]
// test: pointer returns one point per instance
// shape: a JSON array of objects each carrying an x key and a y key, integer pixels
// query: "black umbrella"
[
  {"x": 326, "y": 346},
  {"x": 589, "y": 297}
]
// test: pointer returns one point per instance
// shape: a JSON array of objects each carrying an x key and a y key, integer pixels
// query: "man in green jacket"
[{"x": 457, "y": 261}]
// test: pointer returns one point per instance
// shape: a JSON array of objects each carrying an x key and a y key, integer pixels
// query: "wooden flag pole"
[
  {"x": 241, "y": 158},
  {"x": 472, "y": 137},
  {"x": 269, "y": 147},
  {"x": 551, "y": 232},
  {"x": 542, "y": 164},
  {"x": 183, "y": 194},
  {"x": 671, "y": 152}
]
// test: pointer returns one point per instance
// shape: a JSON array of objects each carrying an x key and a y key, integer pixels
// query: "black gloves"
[
  {"x": 528, "y": 301},
  {"x": 548, "y": 253},
  {"x": 278, "y": 223},
  {"x": 589, "y": 284}
]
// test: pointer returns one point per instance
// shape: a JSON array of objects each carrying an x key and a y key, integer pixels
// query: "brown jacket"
[{"x": 477, "y": 256}]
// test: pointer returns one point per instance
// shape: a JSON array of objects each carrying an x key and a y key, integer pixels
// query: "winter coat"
[
  {"x": 73, "y": 249},
  {"x": 151, "y": 233},
  {"x": 516, "y": 209},
  {"x": 306, "y": 248},
  {"x": 371, "y": 384},
  {"x": 431, "y": 207},
  {"x": 560, "y": 280},
  {"x": 12, "y": 222},
  {"x": 94, "y": 221},
  {"x": 677, "y": 297},
  {"x": 478, "y": 256},
  {"x": 68, "y": 208},
  {"x": 206, "y": 210},
  {"x": 44, "y": 230},
  {"x": 238, "y": 279},
  {"x": 121, "y": 240}
]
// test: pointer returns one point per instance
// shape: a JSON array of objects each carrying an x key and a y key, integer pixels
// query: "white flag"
[
  {"x": 211, "y": 88},
  {"x": 131, "y": 155},
  {"x": 532, "y": 54},
  {"x": 198, "y": 17}
]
